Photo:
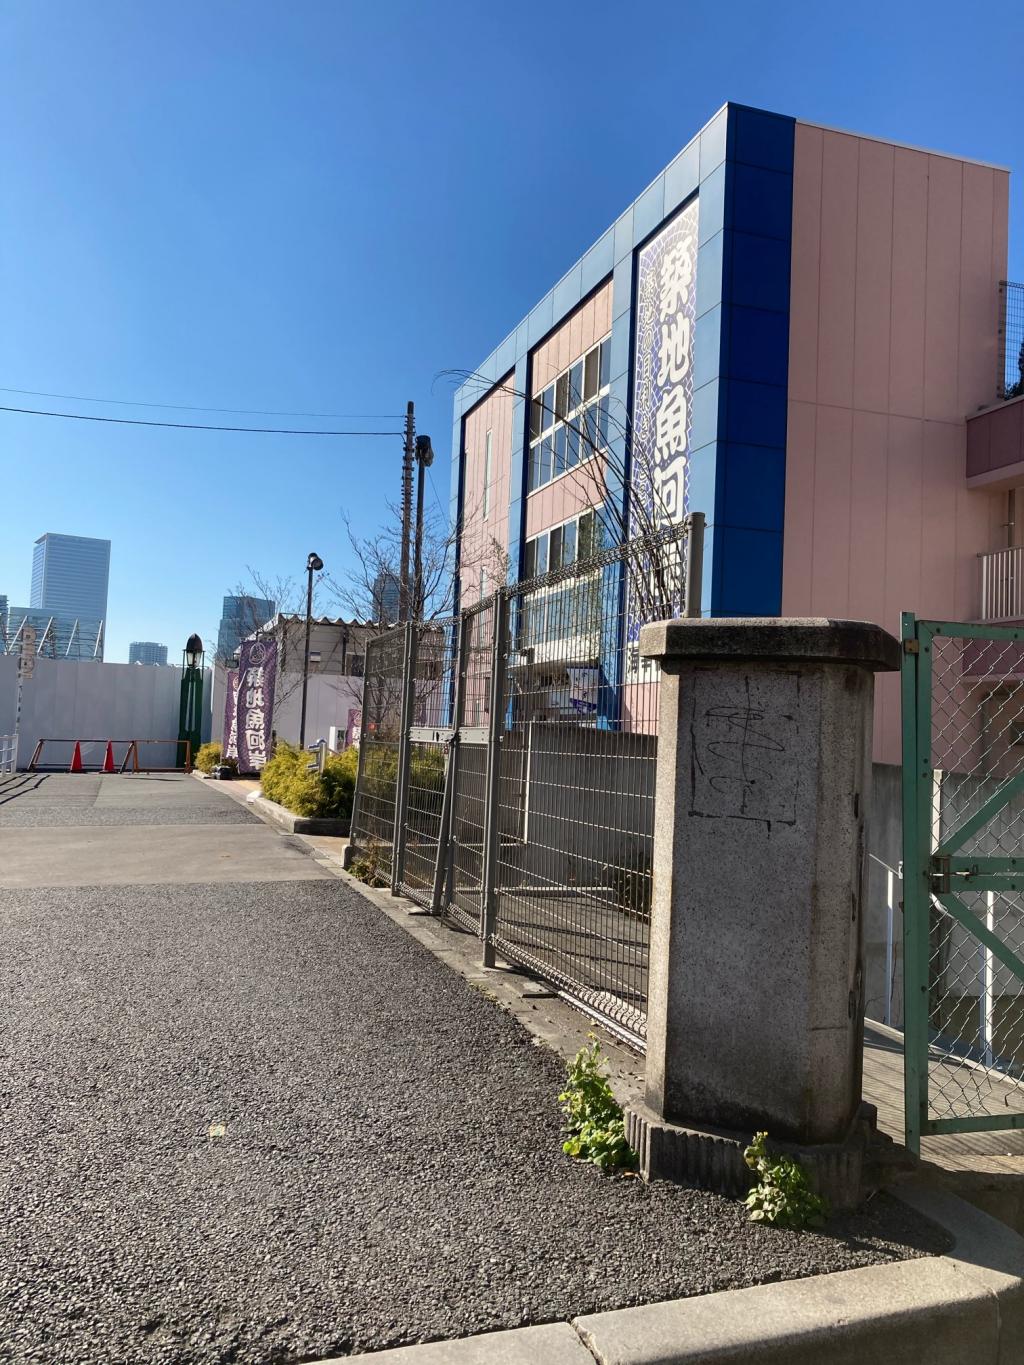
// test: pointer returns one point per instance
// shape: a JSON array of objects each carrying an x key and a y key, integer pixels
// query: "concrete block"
[{"x": 551, "y": 1344}]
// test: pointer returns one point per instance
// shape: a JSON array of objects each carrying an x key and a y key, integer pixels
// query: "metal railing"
[
  {"x": 507, "y": 767},
  {"x": 8, "y": 753},
  {"x": 1002, "y": 585},
  {"x": 1011, "y": 350}
]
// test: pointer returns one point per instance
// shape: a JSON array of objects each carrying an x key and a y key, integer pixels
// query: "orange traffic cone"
[
  {"x": 76, "y": 759},
  {"x": 108, "y": 762}
]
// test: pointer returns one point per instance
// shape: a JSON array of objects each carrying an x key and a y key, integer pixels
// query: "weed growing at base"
[
  {"x": 594, "y": 1126},
  {"x": 782, "y": 1195}
]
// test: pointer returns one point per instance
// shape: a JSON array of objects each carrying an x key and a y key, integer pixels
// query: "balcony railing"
[
  {"x": 1011, "y": 326},
  {"x": 1002, "y": 585}
]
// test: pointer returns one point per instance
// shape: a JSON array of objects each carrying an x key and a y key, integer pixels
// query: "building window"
[
  {"x": 569, "y": 420},
  {"x": 487, "y": 475},
  {"x": 561, "y": 546}
]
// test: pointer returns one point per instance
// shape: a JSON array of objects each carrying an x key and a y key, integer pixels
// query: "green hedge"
[{"x": 287, "y": 780}]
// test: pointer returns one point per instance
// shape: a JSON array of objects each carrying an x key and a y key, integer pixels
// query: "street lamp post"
[
  {"x": 190, "y": 721},
  {"x": 424, "y": 459},
  {"x": 313, "y": 565}
]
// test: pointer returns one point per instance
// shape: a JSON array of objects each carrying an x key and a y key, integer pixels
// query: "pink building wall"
[
  {"x": 485, "y": 538},
  {"x": 896, "y": 261},
  {"x": 581, "y": 487}
]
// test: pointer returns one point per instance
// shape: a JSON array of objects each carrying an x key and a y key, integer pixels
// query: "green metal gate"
[{"x": 963, "y": 888}]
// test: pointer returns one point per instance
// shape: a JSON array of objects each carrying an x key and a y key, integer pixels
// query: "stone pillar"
[{"x": 755, "y": 999}]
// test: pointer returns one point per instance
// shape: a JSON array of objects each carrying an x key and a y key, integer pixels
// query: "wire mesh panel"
[
  {"x": 964, "y": 896},
  {"x": 373, "y": 820},
  {"x": 463, "y": 899},
  {"x": 430, "y": 722},
  {"x": 575, "y": 811}
]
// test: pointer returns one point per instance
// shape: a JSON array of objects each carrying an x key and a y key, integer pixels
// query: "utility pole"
[{"x": 405, "y": 595}]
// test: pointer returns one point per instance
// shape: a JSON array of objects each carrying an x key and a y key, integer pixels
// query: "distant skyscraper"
[
  {"x": 387, "y": 596},
  {"x": 240, "y": 617},
  {"x": 70, "y": 576},
  {"x": 146, "y": 652},
  {"x": 69, "y": 593}
]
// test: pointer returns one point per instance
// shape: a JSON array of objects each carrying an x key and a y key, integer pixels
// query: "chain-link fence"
[
  {"x": 966, "y": 936},
  {"x": 521, "y": 752}
]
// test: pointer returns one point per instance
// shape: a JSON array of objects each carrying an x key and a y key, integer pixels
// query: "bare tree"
[{"x": 625, "y": 493}]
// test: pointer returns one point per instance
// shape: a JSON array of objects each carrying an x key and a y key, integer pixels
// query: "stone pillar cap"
[{"x": 772, "y": 639}]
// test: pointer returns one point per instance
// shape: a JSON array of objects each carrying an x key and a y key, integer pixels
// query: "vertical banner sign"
[
  {"x": 662, "y": 402},
  {"x": 257, "y": 674},
  {"x": 230, "y": 744}
]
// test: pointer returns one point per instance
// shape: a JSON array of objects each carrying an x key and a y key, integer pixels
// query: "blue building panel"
[{"x": 740, "y": 167}]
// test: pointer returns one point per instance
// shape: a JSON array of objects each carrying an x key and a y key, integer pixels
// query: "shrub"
[
  {"x": 783, "y": 1194},
  {"x": 286, "y": 779},
  {"x": 366, "y": 868},
  {"x": 594, "y": 1127},
  {"x": 209, "y": 757}
]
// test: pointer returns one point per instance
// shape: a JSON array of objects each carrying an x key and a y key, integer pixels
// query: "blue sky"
[{"x": 322, "y": 206}]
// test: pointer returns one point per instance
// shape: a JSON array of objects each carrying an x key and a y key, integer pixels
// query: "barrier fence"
[
  {"x": 104, "y": 755},
  {"x": 507, "y": 767}
]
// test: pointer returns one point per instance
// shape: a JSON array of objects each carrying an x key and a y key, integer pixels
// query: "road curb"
[{"x": 963, "y": 1308}]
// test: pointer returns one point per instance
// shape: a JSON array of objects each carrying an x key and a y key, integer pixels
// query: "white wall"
[
  {"x": 328, "y": 701},
  {"x": 98, "y": 701}
]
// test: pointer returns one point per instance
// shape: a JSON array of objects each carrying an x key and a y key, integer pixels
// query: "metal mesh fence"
[
  {"x": 1012, "y": 309},
  {"x": 975, "y": 1001},
  {"x": 432, "y": 705},
  {"x": 578, "y": 762},
  {"x": 517, "y": 764},
  {"x": 373, "y": 815},
  {"x": 464, "y": 899}
]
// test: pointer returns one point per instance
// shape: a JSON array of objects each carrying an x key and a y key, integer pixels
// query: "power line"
[
  {"x": 186, "y": 407},
  {"x": 190, "y": 426}
]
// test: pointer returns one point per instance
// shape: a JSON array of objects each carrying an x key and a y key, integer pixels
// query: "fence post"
[
  {"x": 404, "y": 753},
  {"x": 694, "y": 566},
  {"x": 442, "y": 863},
  {"x": 492, "y": 791},
  {"x": 755, "y": 996}
]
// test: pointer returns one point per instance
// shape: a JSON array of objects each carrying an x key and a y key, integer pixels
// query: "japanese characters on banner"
[
  {"x": 257, "y": 673},
  {"x": 354, "y": 729},
  {"x": 229, "y": 748},
  {"x": 663, "y": 388}
]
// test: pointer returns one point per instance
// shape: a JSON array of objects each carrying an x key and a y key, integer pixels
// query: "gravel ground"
[{"x": 258, "y": 1124}]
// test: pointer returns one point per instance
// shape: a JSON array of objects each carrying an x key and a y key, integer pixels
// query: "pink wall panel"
[
  {"x": 897, "y": 256},
  {"x": 873, "y": 277},
  {"x": 942, "y": 299},
  {"x": 803, "y": 302},
  {"x": 799, "y": 523},
  {"x": 480, "y": 533},
  {"x": 830, "y": 562},
  {"x": 837, "y": 275},
  {"x": 978, "y": 309},
  {"x": 868, "y": 514},
  {"x": 909, "y": 256},
  {"x": 563, "y": 498}
]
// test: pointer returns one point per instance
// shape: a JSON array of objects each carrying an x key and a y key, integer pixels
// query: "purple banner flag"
[
  {"x": 257, "y": 674},
  {"x": 229, "y": 747}
]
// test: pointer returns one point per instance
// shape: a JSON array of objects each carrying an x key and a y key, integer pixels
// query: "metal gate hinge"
[
  {"x": 941, "y": 875},
  {"x": 911, "y": 646}
]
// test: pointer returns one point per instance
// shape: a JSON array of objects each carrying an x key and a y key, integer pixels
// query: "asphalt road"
[{"x": 252, "y": 1123}]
